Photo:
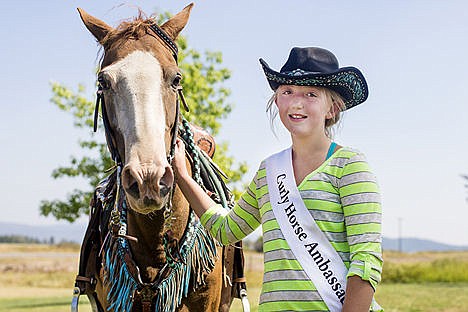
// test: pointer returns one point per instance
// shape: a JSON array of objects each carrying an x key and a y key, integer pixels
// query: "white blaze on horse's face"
[
  {"x": 140, "y": 99},
  {"x": 137, "y": 111}
]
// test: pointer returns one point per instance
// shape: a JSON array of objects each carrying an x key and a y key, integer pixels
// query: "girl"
[{"x": 318, "y": 202}]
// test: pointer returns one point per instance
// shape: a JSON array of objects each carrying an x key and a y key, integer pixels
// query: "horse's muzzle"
[{"x": 147, "y": 186}]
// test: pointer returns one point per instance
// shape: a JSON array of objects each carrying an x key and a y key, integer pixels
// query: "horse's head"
[{"x": 139, "y": 77}]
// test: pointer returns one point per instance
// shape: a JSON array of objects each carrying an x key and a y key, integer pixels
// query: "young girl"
[{"x": 317, "y": 202}]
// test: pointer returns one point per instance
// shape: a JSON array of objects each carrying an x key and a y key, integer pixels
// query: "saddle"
[
  {"x": 234, "y": 285},
  {"x": 203, "y": 140}
]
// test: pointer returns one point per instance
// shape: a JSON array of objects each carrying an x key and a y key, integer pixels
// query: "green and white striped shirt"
[{"x": 343, "y": 197}]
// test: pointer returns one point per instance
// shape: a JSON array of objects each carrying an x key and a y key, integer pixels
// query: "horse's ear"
[
  {"x": 98, "y": 28},
  {"x": 175, "y": 25}
]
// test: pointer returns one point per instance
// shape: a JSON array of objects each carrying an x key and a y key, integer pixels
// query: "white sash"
[{"x": 309, "y": 244}]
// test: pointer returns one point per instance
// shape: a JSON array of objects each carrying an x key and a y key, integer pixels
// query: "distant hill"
[
  {"x": 417, "y": 244},
  {"x": 74, "y": 232}
]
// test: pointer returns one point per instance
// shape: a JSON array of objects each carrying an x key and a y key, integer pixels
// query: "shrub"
[{"x": 441, "y": 270}]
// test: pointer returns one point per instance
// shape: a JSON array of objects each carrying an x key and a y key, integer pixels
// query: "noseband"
[
  {"x": 111, "y": 142},
  {"x": 180, "y": 270},
  {"x": 110, "y": 137}
]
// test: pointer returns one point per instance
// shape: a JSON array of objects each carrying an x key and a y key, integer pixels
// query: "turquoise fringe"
[
  {"x": 198, "y": 251},
  {"x": 200, "y": 261},
  {"x": 121, "y": 283}
]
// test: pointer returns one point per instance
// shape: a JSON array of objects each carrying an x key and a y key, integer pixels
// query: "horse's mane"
[{"x": 132, "y": 28}]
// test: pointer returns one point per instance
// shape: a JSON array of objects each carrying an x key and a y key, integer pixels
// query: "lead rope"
[
  {"x": 171, "y": 245},
  {"x": 167, "y": 228},
  {"x": 204, "y": 160},
  {"x": 117, "y": 225}
]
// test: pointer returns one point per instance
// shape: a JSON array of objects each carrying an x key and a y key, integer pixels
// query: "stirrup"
[
  {"x": 244, "y": 300},
  {"x": 76, "y": 299}
]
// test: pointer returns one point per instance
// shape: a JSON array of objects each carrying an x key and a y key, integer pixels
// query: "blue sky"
[{"x": 413, "y": 128}]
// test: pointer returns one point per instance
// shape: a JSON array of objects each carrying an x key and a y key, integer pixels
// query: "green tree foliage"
[
  {"x": 465, "y": 177},
  {"x": 19, "y": 239},
  {"x": 203, "y": 83}
]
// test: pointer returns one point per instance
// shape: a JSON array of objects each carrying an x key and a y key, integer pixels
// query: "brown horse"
[{"x": 139, "y": 81}]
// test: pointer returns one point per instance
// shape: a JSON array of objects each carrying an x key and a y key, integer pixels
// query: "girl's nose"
[{"x": 298, "y": 102}]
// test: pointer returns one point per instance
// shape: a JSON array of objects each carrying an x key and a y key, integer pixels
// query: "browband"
[
  {"x": 167, "y": 40},
  {"x": 100, "y": 100}
]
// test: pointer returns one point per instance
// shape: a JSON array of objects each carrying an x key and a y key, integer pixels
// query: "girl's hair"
[{"x": 333, "y": 97}]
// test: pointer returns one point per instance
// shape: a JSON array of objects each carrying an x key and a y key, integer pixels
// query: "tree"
[
  {"x": 465, "y": 177},
  {"x": 206, "y": 95}
]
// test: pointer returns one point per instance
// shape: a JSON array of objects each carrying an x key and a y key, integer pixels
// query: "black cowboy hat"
[{"x": 319, "y": 67}]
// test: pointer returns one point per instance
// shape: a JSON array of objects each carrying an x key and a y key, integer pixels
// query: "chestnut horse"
[{"x": 138, "y": 89}]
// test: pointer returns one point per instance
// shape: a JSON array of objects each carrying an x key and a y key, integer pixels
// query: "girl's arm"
[
  {"x": 227, "y": 226},
  {"x": 359, "y": 295},
  {"x": 198, "y": 199},
  {"x": 360, "y": 198}
]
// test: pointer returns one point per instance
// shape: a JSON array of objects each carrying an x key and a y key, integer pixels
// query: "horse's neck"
[{"x": 148, "y": 252}]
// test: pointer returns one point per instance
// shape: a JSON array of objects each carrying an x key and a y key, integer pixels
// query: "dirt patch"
[
  {"x": 41, "y": 262},
  {"x": 421, "y": 257}
]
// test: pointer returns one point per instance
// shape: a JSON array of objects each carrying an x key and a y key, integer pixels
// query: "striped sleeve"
[
  {"x": 231, "y": 226},
  {"x": 360, "y": 198}
]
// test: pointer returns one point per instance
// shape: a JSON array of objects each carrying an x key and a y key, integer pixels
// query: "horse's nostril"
[
  {"x": 129, "y": 182},
  {"x": 163, "y": 189},
  {"x": 134, "y": 190},
  {"x": 165, "y": 182},
  {"x": 148, "y": 201}
]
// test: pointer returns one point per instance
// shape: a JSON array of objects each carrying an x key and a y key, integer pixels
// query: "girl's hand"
[{"x": 179, "y": 164}]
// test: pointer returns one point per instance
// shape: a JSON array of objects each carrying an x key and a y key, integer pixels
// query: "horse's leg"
[
  {"x": 101, "y": 291},
  {"x": 206, "y": 297}
]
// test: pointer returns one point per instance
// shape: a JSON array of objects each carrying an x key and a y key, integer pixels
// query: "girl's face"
[{"x": 303, "y": 109}]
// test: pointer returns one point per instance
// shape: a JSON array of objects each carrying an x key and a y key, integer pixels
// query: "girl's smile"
[
  {"x": 297, "y": 117},
  {"x": 302, "y": 109}
]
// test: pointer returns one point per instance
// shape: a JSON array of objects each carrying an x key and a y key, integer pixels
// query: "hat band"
[{"x": 299, "y": 72}]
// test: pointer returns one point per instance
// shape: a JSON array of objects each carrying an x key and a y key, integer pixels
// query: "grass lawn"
[
  {"x": 22, "y": 299},
  {"x": 426, "y": 297},
  {"x": 432, "y": 297},
  {"x": 34, "y": 278}
]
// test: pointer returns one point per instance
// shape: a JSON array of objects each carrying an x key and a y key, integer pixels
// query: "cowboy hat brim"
[{"x": 349, "y": 82}]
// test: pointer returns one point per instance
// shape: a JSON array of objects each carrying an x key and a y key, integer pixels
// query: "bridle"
[
  {"x": 178, "y": 256},
  {"x": 110, "y": 137},
  {"x": 111, "y": 142}
]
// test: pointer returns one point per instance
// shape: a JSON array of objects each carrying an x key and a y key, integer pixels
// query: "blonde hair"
[{"x": 334, "y": 98}]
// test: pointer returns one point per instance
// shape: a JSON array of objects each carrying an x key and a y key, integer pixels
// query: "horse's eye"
[
  {"x": 103, "y": 82},
  {"x": 176, "y": 81}
]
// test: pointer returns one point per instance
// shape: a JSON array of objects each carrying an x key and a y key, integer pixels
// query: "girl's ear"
[{"x": 333, "y": 111}]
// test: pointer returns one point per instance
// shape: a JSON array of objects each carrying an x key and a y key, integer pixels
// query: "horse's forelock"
[{"x": 133, "y": 28}]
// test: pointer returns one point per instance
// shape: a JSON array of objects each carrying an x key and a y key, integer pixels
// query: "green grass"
[
  {"x": 42, "y": 304},
  {"x": 441, "y": 270},
  {"x": 429, "y": 297},
  {"x": 429, "y": 282},
  {"x": 426, "y": 297}
]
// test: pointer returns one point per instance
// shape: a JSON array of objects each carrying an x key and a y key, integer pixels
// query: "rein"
[
  {"x": 100, "y": 101},
  {"x": 115, "y": 243},
  {"x": 106, "y": 243},
  {"x": 109, "y": 133}
]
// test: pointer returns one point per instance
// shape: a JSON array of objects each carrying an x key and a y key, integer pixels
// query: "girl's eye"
[
  {"x": 286, "y": 92},
  {"x": 311, "y": 94}
]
